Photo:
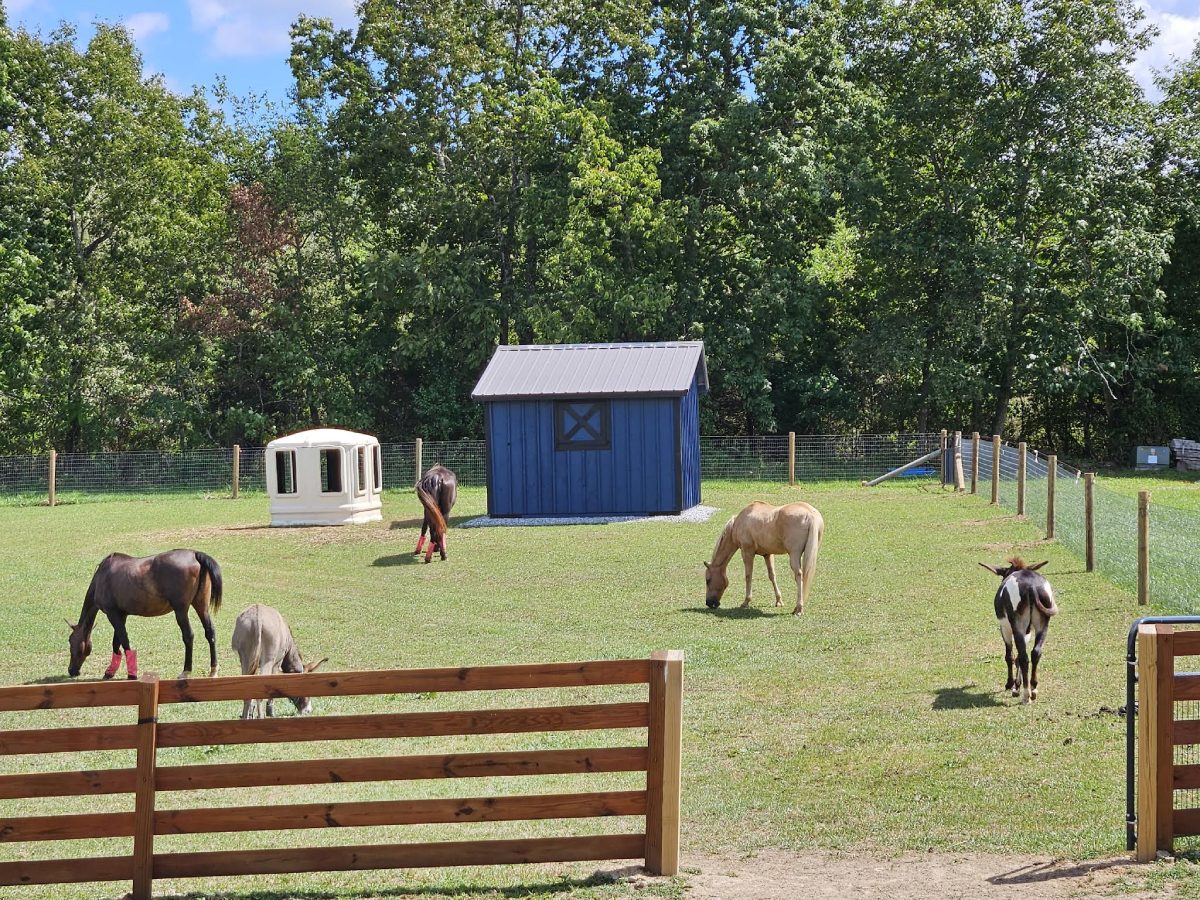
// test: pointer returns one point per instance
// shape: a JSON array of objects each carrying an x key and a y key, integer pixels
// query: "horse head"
[
  {"x": 80, "y": 643},
  {"x": 715, "y": 582}
]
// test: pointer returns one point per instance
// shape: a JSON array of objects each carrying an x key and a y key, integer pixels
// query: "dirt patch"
[
  {"x": 1012, "y": 546},
  {"x": 781, "y": 875},
  {"x": 315, "y": 535}
]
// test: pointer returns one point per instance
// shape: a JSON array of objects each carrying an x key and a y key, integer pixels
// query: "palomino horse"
[
  {"x": 437, "y": 490},
  {"x": 760, "y": 529},
  {"x": 1024, "y": 604},
  {"x": 126, "y": 586}
]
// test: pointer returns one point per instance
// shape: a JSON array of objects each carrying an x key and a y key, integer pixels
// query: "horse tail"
[
  {"x": 437, "y": 520},
  {"x": 209, "y": 567},
  {"x": 812, "y": 544}
]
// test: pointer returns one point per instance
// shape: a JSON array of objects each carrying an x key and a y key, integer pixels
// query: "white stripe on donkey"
[{"x": 1024, "y": 604}]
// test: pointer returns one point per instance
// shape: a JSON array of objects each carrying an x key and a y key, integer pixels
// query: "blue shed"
[{"x": 593, "y": 429}]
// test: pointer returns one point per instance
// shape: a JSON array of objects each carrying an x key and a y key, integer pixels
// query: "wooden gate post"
[
  {"x": 974, "y": 462},
  {"x": 1051, "y": 477},
  {"x": 417, "y": 461},
  {"x": 1156, "y": 741},
  {"x": 143, "y": 804},
  {"x": 995, "y": 470},
  {"x": 664, "y": 742},
  {"x": 1021, "y": 478},
  {"x": 792, "y": 458},
  {"x": 237, "y": 468},
  {"x": 1089, "y": 521},
  {"x": 1143, "y": 556},
  {"x": 52, "y": 477}
]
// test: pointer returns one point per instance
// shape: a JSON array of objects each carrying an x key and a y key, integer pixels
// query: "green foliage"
[{"x": 878, "y": 215}]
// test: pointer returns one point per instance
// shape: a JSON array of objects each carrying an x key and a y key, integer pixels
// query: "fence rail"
[
  {"x": 660, "y": 715},
  {"x": 780, "y": 458}
]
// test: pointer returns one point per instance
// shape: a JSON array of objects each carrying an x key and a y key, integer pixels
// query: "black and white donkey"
[{"x": 1024, "y": 605}]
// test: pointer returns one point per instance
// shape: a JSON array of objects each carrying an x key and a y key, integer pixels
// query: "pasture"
[{"x": 874, "y": 722}]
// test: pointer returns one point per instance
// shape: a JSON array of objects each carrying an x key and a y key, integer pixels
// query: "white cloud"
[
  {"x": 144, "y": 24},
  {"x": 259, "y": 28},
  {"x": 1177, "y": 36}
]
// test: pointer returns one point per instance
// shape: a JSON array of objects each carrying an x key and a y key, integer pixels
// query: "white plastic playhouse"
[{"x": 326, "y": 476}]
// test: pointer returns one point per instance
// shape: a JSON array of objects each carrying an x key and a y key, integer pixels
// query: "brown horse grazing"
[
  {"x": 126, "y": 586},
  {"x": 760, "y": 529},
  {"x": 437, "y": 490},
  {"x": 1024, "y": 604}
]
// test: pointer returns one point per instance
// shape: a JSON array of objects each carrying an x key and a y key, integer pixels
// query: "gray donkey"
[{"x": 264, "y": 644}]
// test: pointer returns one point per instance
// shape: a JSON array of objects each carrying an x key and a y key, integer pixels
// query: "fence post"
[
  {"x": 1021, "y": 478},
  {"x": 792, "y": 458},
  {"x": 959, "y": 483},
  {"x": 417, "y": 461},
  {"x": 664, "y": 742},
  {"x": 974, "y": 462},
  {"x": 995, "y": 470},
  {"x": 143, "y": 804},
  {"x": 942, "y": 442},
  {"x": 1089, "y": 520},
  {"x": 1143, "y": 547},
  {"x": 52, "y": 477},
  {"x": 1156, "y": 739},
  {"x": 1051, "y": 477},
  {"x": 237, "y": 468}
]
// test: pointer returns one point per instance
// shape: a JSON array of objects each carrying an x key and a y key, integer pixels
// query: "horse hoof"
[
  {"x": 796, "y": 612},
  {"x": 185, "y": 675},
  {"x": 212, "y": 673}
]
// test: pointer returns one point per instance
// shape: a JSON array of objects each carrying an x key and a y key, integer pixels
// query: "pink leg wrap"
[
  {"x": 131, "y": 663},
  {"x": 113, "y": 666},
  {"x": 420, "y": 544},
  {"x": 429, "y": 552}
]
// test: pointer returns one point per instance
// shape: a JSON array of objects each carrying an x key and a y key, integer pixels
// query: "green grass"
[
  {"x": 873, "y": 722},
  {"x": 1168, "y": 487}
]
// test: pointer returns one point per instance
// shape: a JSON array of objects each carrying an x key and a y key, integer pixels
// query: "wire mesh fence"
[
  {"x": 1174, "y": 568},
  {"x": 83, "y": 476}
]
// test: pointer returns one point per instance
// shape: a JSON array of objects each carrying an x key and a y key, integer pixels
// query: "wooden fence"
[
  {"x": 659, "y": 758},
  {"x": 1159, "y": 776}
]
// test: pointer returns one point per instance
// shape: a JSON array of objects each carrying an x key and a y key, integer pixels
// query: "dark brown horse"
[
  {"x": 126, "y": 586},
  {"x": 437, "y": 490}
]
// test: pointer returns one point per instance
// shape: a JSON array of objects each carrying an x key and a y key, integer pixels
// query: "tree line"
[{"x": 879, "y": 215}]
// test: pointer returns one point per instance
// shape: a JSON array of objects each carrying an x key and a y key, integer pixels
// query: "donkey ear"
[
  {"x": 707, "y": 564},
  {"x": 312, "y": 667},
  {"x": 1037, "y": 566},
  {"x": 991, "y": 569},
  {"x": 70, "y": 624}
]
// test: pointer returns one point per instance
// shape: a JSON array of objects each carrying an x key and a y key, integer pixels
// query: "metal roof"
[{"x": 593, "y": 370}]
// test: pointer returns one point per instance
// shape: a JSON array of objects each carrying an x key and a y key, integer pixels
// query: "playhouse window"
[
  {"x": 360, "y": 483},
  {"x": 285, "y": 471},
  {"x": 377, "y": 468},
  {"x": 582, "y": 425},
  {"x": 331, "y": 471}
]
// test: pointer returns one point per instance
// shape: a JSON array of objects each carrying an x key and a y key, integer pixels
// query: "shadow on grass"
[
  {"x": 1036, "y": 873},
  {"x": 399, "y": 559},
  {"x": 560, "y": 886},
  {"x": 964, "y": 698},
  {"x": 726, "y": 612},
  {"x": 60, "y": 679}
]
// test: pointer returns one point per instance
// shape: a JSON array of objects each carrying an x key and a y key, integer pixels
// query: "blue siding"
[
  {"x": 637, "y": 475},
  {"x": 689, "y": 437}
]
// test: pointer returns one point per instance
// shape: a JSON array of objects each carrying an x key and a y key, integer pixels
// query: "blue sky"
[{"x": 193, "y": 41}]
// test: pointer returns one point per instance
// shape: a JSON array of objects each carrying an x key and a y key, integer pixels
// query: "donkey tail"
[
  {"x": 1047, "y": 609},
  {"x": 432, "y": 511},
  {"x": 209, "y": 567}
]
